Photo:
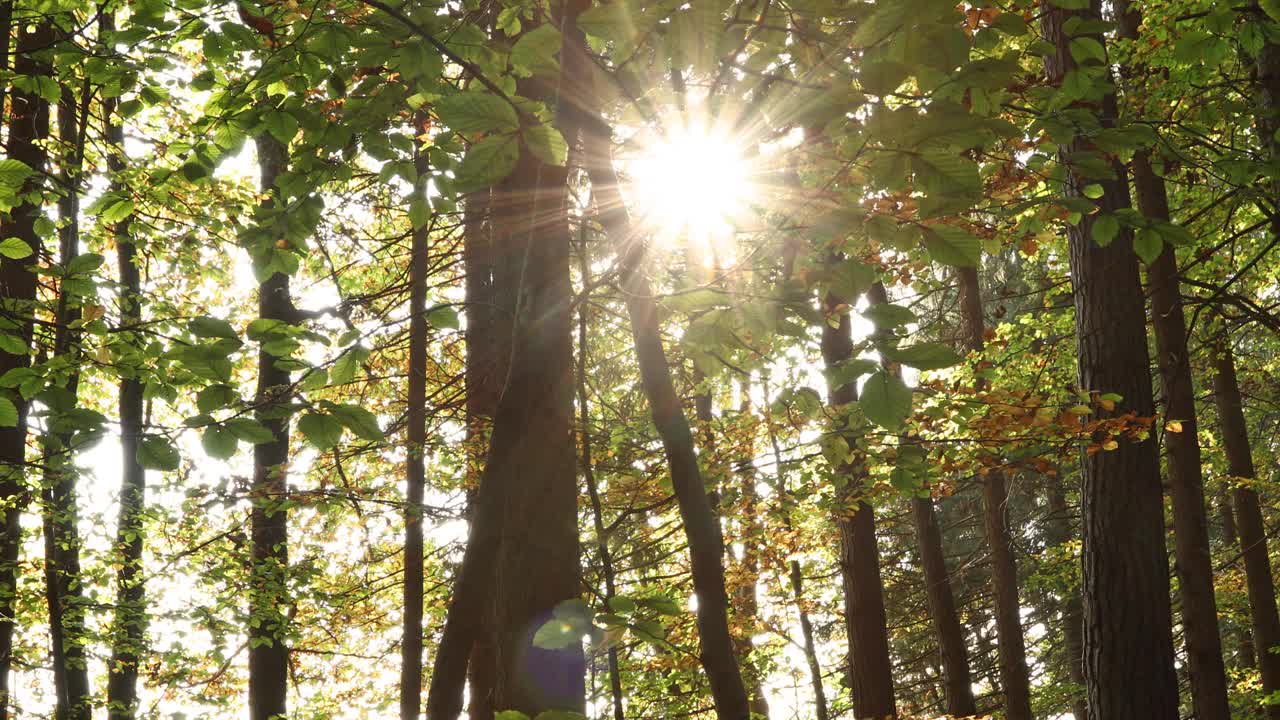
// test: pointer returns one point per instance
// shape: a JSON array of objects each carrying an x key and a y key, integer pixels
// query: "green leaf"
[
  {"x": 282, "y": 125},
  {"x": 442, "y": 317},
  {"x": 885, "y": 400},
  {"x": 321, "y": 430},
  {"x": 218, "y": 443},
  {"x": 535, "y": 51},
  {"x": 211, "y": 327},
  {"x": 13, "y": 344},
  {"x": 950, "y": 245},
  {"x": 547, "y": 144},
  {"x": 887, "y": 316},
  {"x": 358, "y": 420},
  {"x": 85, "y": 263},
  {"x": 249, "y": 430},
  {"x": 155, "y": 452},
  {"x": 14, "y": 172},
  {"x": 1104, "y": 230},
  {"x": 607, "y": 21},
  {"x": 1147, "y": 243},
  {"x": 487, "y": 162},
  {"x": 510, "y": 715},
  {"x": 924, "y": 356},
  {"x": 1087, "y": 49},
  {"x": 8, "y": 413},
  {"x": 15, "y": 248},
  {"x": 622, "y": 605},
  {"x": 474, "y": 111},
  {"x": 215, "y": 397},
  {"x": 346, "y": 366}
]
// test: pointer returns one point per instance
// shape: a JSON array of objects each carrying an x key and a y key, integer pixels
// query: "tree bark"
[
  {"x": 1004, "y": 571},
  {"x": 702, "y": 527},
  {"x": 866, "y": 625},
  {"x": 415, "y": 469},
  {"x": 1242, "y": 636},
  {"x": 1128, "y": 638},
  {"x": 1060, "y": 532},
  {"x": 28, "y": 130},
  {"x": 268, "y": 653},
  {"x": 130, "y": 619},
  {"x": 1186, "y": 483},
  {"x": 942, "y": 610},
  {"x": 1259, "y": 580},
  {"x": 523, "y": 544},
  {"x": 61, "y": 518},
  {"x": 745, "y": 593}
]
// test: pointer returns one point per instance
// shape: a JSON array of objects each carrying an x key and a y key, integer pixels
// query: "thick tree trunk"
[
  {"x": 523, "y": 544},
  {"x": 1128, "y": 634},
  {"x": 1253, "y": 534},
  {"x": 866, "y": 625},
  {"x": 268, "y": 654},
  {"x": 28, "y": 130},
  {"x": 1004, "y": 570},
  {"x": 1186, "y": 483},
  {"x": 1059, "y": 531},
  {"x": 61, "y": 518},
  {"x": 942, "y": 610},
  {"x": 130, "y": 620},
  {"x": 415, "y": 468}
]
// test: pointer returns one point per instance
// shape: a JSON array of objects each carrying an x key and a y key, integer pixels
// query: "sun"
[{"x": 693, "y": 184}]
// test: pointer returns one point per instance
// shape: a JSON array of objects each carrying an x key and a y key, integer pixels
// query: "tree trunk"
[
  {"x": 702, "y": 528},
  {"x": 268, "y": 654},
  {"x": 866, "y": 626},
  {"x": 593, "y": 491},
  {"x": 130, "y": 620},
  {"x": 1186, "y": 483},
  {"x": 1004, "y": 570},
  {"x": 1253, "y": 535},
  {"x": 523, "y": 544},
  {"x": 28, "y": 130},
  {"x": 1242, "y": 636},
  {"x": 1128, "y": 638},
  {"x": 942, "y": 610},
  {"x": 61, "y": 518},
  {"x": 745, "y": 594},
  {"x": 414, "y": 468},
  {"x": 1059, "y": 532}
]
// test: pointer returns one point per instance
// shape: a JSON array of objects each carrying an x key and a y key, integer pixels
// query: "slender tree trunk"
[
  {"x": 1186, "y": 483},
  {"x": 942, "y": 610},
  {"x": 1128, "y": 638},
  {"x": 702, "y": 528},
  {"x": 749, "y": 569},
  {"x": 414, "y": 469},
  {"x": 1243, "y": 638},
  {"x": 1059, "y": 531},
  {"x": 268, "y": 599},
  {"x": 1253, "y": 535},
  {"x": 61, "y": 533},
  {"x": 593, "y": 491},
  {"x": 130, "y": 620},
  {"x": 1004, "y": 570},
  {"x": 28, "y": 130},
  {"x": 796, "y": 573},
  {"x": 866, "y": 626},
  {"x": 523, "y": 544}
]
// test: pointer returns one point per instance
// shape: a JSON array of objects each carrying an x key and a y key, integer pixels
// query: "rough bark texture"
[
  {"x": 1004, "y": 570},
  {"x": 523, "y": 544},
  {"x": 942, "y": 610},
  {"x": 414, "y": 469},
  {"x": 701, "y": 525},
  {"x": 28, "y": 129},
  {"x": 63, "y": 583},
  {"x": 1186, "y": 483},
  {"x": 1252, "y": 530},
  {"x": 1128, "y": 635},
  {"x": 268, "y": 654},
  {"x": 129, "y": 622},
  {"x": 866, "y": 627}
]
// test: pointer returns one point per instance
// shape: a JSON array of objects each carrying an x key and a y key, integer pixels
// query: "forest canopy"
[{"x": 552, "y": 359}]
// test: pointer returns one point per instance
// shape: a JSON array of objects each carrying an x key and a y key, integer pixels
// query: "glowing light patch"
[{"x": 693, "y": 183}]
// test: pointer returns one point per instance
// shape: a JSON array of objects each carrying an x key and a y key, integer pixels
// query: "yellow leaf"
[
  {"x": 1173, "y": 426},
  {"x": 1110, "y": 444}
]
